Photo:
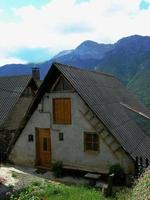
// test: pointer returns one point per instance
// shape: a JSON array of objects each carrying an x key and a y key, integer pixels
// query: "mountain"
[
  {"x": 140, "y": 83},
  {"x": 88, "y": 54},
  {"x": 128, "y": 59},
  {"x": 20, "y": 69},
  {"x": 16, "y": 69}
]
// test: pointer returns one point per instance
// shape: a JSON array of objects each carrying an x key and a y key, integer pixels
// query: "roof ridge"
[{"x": 85, "y": 70}]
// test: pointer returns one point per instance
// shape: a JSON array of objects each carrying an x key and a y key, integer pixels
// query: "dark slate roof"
[
  {"x": 104, "y": 94},
  {"x": 11, "y": 88}
]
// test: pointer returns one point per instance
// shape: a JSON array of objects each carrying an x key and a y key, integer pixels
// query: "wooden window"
[
  {"x": 91, "y": 142},
  {"x": 62, "y": 111}
]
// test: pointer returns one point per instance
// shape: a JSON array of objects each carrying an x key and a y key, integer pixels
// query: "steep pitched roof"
[
  {"x": 11, "y": 88},
  {"x": 104, "y": 94}
]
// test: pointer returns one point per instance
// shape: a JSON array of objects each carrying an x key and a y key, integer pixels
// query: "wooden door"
[{"x": 43, "y": 147}]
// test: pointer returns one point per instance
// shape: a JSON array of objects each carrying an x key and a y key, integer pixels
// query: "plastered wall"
[{"x": 71, "y": 149}]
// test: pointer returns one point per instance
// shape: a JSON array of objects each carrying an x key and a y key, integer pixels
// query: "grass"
[
  {"x": 54, "y": 191},
  {"x": 58, "y": 191},
  {"x": 14, "y": 174}
]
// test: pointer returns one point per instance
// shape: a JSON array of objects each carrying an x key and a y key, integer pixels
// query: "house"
[
  {"x": 16, "y": 95},
  {"x": 84, "y": 119}
]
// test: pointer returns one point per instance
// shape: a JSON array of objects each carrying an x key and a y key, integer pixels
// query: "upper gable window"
[
  {"x": 62, "y": 111},
  {"x": 62, "y": 85}
]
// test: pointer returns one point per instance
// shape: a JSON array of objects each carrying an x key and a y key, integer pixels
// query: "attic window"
[
  {"x": 61, "y": 84},
  {"x": 91, "y": 142}
]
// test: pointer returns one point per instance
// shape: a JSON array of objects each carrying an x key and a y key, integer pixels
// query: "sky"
[{"x": 36, "y": 30}]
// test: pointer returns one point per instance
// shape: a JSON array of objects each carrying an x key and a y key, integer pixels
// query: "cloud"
[
  {"x": 60, "y": 25},
  {"x": 9, "y": 60},
  {"x": 81, "y": 1},
  {"x": 75, "y": 28}
]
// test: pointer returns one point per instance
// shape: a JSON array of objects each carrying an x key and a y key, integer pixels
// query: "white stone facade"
[{"x": 71, "y": 150}]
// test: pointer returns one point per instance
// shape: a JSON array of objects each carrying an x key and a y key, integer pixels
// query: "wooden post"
[{"x": 107, "y": 191}]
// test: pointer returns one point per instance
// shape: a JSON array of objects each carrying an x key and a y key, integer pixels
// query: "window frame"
[
  {"x": 55, "y": 121},
  {"x": 62, "y": 81},
  {"x": 93, "y": 149}
]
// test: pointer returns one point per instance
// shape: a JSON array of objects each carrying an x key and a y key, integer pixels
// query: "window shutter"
[{"x": 62, "y": 111}]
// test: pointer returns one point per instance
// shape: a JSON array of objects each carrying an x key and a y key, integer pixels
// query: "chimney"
[{"x": 36, "y": 73}]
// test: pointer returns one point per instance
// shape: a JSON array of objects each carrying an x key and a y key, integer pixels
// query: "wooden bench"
[{"x": 92, "y": 178}]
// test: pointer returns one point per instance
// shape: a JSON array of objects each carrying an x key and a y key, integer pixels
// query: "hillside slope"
[
  {"x": 140, "y": 84},
  {"x": 126, "y": 58}
]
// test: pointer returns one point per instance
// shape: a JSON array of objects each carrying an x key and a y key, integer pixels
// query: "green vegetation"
[
  {"x": 14, "y": 174},
  {"x": 57, "y": 168},
  {"x": 119, "y": 174},
  {"x": 58, "y": 191},
  {"x": 123, "y": 194},
  {"x": 141, "y": 191},
  {"x": 51, "y": 191}
]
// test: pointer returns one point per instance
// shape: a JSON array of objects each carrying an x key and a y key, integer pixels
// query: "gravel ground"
[{"x": 20, "y": 176}]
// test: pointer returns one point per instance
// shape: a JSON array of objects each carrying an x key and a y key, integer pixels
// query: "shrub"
[
  {"x": 119, "y": 175},
  {"x": 57, "y": 168},
  {"x": 14, "y": 174},
  {"x": 141, "y": 191}
]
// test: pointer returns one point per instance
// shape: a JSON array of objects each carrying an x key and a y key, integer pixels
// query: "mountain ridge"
[{"x": 128, "y": 59}]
